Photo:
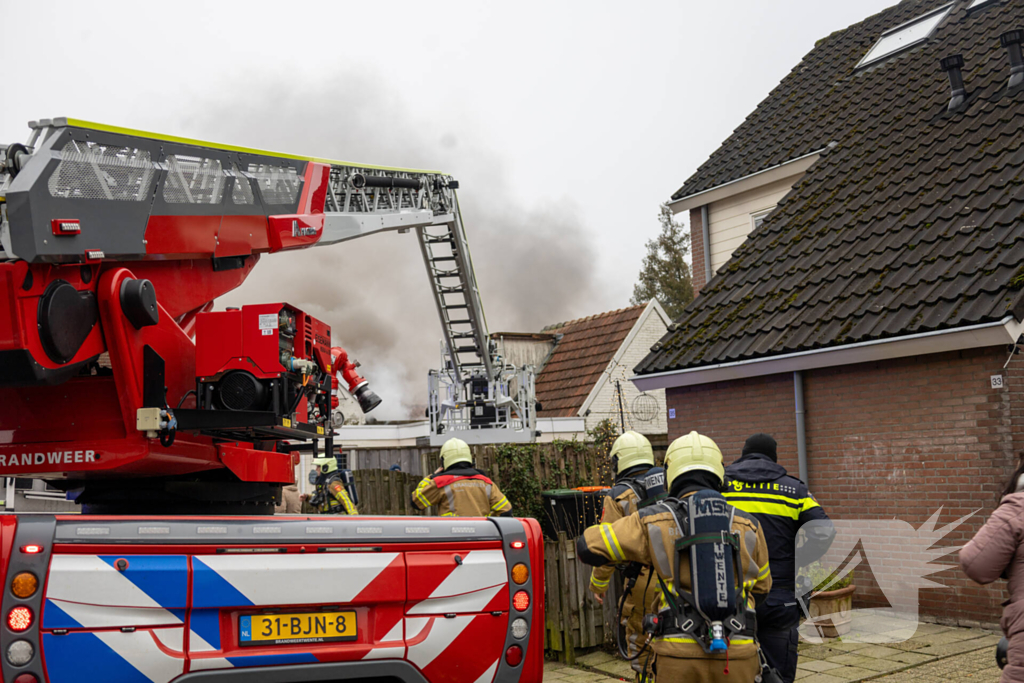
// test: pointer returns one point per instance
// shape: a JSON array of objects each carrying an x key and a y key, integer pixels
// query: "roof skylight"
[{"x": 905, "y": 36}]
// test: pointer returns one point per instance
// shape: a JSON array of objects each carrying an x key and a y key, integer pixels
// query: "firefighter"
[
  {"x": 633, "y": 458},
  {"x": 458, "y": 489},
  {"x": 758, "y": 484},
  {"x": 690, "y": 645},
  {"x": 331, "y": 496}
]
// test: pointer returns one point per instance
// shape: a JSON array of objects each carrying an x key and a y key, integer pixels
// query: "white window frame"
[
  {"x": 868, "y": 59},
  {"x": 759, "y": 215}
]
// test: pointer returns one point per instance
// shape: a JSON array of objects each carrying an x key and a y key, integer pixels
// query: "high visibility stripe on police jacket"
[{"x": 770, "y": 504}]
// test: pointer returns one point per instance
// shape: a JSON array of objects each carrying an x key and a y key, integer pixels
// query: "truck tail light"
[
  {"x": 520, "y": 628},
  {"x": 20, "y": 653},
  {"x": 19, "y": 619},
  {"x": 26, "y": 678},
  {"x": 24, "y": 585},
  {"x": 514, "y": 656},
  {"x": 32, "y": 549},
  {"x": 517, "y": 545},
  {"x": 520, "y": 573},
  {"x": 521, "y": 601}
]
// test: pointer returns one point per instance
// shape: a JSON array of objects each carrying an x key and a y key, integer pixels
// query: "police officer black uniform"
[{"x": 757, "y": 484}]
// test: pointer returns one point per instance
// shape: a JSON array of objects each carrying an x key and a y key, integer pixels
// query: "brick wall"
[
  {"x": 894, "y": 439},
  {"x": 698, "y": 269}
]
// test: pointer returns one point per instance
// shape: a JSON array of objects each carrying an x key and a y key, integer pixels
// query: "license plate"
[{"x": 282, "y": 629}]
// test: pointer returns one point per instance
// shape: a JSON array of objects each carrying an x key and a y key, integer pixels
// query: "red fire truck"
[{"x": 121, "y": 385}]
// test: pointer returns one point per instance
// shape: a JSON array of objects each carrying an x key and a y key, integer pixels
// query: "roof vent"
[
  {"x": 1011, "y": 40},
  {"x": 952, "y": 66}
]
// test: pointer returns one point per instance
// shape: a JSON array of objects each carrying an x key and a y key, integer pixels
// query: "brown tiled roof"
[
  {"x": 913, "y": 222},
  {"x": 580, "y": 358}
]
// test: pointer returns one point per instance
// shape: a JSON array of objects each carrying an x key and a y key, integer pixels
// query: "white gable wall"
[
  {"x": 732, "y": 219},
  {"x": 649, "y": 329}
]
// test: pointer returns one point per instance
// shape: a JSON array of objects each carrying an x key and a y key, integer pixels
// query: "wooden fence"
[
  {"x": 386, "y": 492},
  {"x": 562, "y": 467},
  {"x": 574, "y": 619},
  {"x": 412, "y": 459}
]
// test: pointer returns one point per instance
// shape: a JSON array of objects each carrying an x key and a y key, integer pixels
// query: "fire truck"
[
  {"x": 119, "y": 382},
  {"x": 175, "y": 426}
]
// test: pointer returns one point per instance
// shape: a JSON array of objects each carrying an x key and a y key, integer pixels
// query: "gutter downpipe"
[
  {"x": 706, "y": 229},
  {"x": 801, "y": 431}
]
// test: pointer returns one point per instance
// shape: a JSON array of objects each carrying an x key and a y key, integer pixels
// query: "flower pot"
[{"x": 831, "y": 611}]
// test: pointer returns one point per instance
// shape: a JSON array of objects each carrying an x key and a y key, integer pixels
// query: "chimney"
[
  {"x": 1011, "y": 40},
  {"x": 952, "y": 66}
]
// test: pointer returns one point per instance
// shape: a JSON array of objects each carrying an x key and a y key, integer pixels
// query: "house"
[
  {"x": 859, "y": 252},
  {"x": 586, "y": 373}
]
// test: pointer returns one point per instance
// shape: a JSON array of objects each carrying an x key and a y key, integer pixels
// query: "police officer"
[
  {"x": 458, "y": 489},
  {"x": 331, "y": 496},
  {"x": 633, "y": 458},
  {"x": 695, "y": 471},
  {"x": 758, "y": 484}
]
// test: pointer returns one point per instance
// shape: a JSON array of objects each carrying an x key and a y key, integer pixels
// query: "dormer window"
[{"x": 906, "y": 36}]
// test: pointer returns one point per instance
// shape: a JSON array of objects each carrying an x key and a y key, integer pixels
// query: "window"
[
  {"x": 278, "y": 184},
  {"x": 757, "y": 218},
  {"x": 241, "y": 191},
  {"x": 93, "y": 170},
  {"x": 193, "y": 180},
  {"x": 905, "y": 36}
]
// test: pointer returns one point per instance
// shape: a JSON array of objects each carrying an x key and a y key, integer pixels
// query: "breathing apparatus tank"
[{"x": 713, "y": 553}]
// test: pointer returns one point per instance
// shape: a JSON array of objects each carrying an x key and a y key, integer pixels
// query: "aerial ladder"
[{"x": 119, "y": 382}]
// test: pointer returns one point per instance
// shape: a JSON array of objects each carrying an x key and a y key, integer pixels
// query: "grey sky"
[{"x": 566, "y": 123}]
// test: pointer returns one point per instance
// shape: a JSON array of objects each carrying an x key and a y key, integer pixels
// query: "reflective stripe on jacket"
[
  {"x": 782, "y": 504},
  {"x": 462, "y": 492},
  {"x": 649, "y": 537}
]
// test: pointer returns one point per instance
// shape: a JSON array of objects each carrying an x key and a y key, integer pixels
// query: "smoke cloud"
[{"x": 533, "y": 259}]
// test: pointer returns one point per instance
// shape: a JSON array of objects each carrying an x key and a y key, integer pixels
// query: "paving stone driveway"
[{"x": 935, "y": 654}]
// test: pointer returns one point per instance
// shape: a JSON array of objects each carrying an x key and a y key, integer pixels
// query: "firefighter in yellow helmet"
[
  {"x": 331, "y": 496},
  {"x": 458, "y": 489},
  {"x": 711, "y": 562},
  {"x": 637, "y": 483}
]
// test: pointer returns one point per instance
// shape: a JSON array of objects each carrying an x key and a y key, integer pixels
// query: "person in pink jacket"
[{"x": 997, "y": 551}]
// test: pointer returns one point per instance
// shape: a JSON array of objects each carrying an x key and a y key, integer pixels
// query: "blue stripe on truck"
[
  {"x": 210, "y": 589},
  {"x": 55, "y": 617},
  {"x": 162, "y": 577},
  {"x": 72, "y": 657}
]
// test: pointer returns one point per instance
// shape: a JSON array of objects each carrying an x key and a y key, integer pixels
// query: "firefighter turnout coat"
[
  {"x": 645, "y": 597},
  {"x": 649, "y": 537},
  {"x": 335, "y": 500},
  {"x": 461, "y": 491}
]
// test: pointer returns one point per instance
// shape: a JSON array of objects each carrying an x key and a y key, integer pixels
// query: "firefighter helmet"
[
  {"x": 631, "y": 449},
  {"x": 326, "y": 464},
  {"x": 693, "y": 452},
  {"x": 455, "y": 450}
]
